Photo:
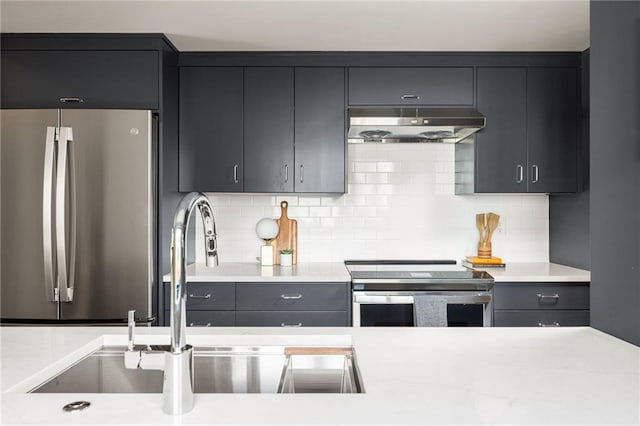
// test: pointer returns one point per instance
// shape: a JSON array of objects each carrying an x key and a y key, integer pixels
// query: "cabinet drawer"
[
  {"x": 540, "y": 318},
  {"x": 292, "y": 319},
  {"x": 410, "y": 86},
  {"x": 103, "y": 79},
  {"x": 292, "y": 297},
  {"x": 207, "y": 296},
  {"x": 207, "y": 318},
  {"x": 541, "y": 296}
]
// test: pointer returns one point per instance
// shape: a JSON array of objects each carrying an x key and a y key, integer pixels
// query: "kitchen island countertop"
[{"x": 410, "y": 375}]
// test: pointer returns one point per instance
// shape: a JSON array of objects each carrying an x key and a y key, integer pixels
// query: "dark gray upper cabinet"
[
  {"x": 411, "y": 86},
  {"x": 268, "y": 129},
  {"x": 319, "y": 130},
  {"x": 211, "y": 129},
  {"x": 530, "y": 141},
  {"x": 552, "y": 129},
  {"x": 501, "y": 148},
  {"x": 102, "y": 79}
]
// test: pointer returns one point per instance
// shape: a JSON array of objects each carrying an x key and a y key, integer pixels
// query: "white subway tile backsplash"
[
  {"x": 376, "y": 177},
  {"x": 364, "y": 166},
  {"x": 400, "y": 204},
  {"x": 309, "y": 201}
]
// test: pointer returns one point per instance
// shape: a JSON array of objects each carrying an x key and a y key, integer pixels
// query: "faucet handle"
[{"x": 132, "y": 327}]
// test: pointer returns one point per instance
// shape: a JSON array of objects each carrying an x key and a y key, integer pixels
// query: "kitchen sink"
[{"x": 238, "y": 369}]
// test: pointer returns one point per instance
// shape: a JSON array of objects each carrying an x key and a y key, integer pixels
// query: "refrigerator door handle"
[
  {"x": 47, "y": 213},
  {"x": 66, "y": 256}
]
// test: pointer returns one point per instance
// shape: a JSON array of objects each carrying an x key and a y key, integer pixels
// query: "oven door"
[{"x": 395, "y": 309}]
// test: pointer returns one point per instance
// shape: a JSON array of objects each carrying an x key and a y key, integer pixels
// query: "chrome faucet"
[{"x": 177, "y": 362}]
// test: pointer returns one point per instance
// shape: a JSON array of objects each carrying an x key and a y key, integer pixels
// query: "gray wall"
[
  {"x": 569, "y": 213},
  {"x": 615, "y": 168}
]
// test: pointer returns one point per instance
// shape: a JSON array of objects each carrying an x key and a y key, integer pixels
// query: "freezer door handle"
[
  {"x": 47, "y": 214},
  {"x": 66, "y": 254}
]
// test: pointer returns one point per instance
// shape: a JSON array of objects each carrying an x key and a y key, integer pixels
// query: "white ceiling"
[{"x": 358, "y": 25}]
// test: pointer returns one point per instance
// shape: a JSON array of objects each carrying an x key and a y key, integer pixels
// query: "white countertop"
[
  {"x": 538, "y": 272},
  {"x": 337, "y": 272},
  {"x": 249, "y": 272},
  {"x": 411, "y": 376}
]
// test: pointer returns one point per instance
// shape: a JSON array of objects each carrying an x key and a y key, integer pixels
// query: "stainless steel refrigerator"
[{"x": 77, "y": 214}]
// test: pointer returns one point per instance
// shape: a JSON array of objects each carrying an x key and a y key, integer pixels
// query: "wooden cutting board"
[{"x": 287, "y": 236}]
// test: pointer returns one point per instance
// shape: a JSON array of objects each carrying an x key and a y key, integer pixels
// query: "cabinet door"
[
  {"x": 292, "y": 296},
  {"x": 319, "y": 130},
  {"x": 211, "y": 129},
  {"x": 292, "y": 319},
  {"x": 541, "y": 318},
  {"x": 552, "y": 129},
  {"x": 411, "y": 86},
  {"x": 268, "y": 129},
  {"x": 501, "y": 146},
  {"x": 102, "y": 79},
  {"x": 549, "y": 296}
]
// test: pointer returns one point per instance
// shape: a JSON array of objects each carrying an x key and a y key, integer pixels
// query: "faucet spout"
[
  {"x": 177, "y": 362},
  {"x": 181, "y": 219},
  {"x": 178, "y": 390}
]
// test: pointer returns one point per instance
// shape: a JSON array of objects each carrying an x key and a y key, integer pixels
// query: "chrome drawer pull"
[
  {"x": 409, "y": 96},
  {"x": 291, "y": 297},
  {"x": 553, "y": 324},
  {"x": 206, "y": 296},
  {"x": 71, "y": 100},
  {"x": 542, "y": 297},
  {"x": 193, "y": 324},
  {"x": 291, "y": 324}
]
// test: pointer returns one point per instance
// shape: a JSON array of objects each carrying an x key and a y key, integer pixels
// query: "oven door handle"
[
  {"x": 382, "y": 299},
  {"x": 370, "y": 299}
]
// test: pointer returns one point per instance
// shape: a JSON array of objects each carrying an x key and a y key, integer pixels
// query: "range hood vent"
[{"x": 417, "y": 125}]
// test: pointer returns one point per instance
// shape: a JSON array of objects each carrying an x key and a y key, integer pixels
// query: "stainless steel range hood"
[{"x": 402, "y": 125}]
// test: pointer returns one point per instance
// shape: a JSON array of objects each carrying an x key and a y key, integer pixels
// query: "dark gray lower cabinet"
[
  {"x": 541, "y": 304},
  {"x": 292, "y": 304},
  {"x": 292, "y": 318},
  {"x": 208, "y": 318},
  {"x": 541, "y": 318},
  {"x": 292, "y": 297},
  {"x": 208, "y": 304},
  {"x": 265, "y": 304}
]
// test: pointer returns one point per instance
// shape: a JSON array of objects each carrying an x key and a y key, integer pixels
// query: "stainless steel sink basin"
[{"x": 264, "y": 369}]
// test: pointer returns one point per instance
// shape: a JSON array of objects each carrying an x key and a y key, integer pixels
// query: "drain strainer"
[{"x": 72, "y": 407}]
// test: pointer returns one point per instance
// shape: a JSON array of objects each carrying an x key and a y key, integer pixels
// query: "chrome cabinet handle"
[
  {"x": 301, "y": 173},
  {"x": 66, "y": 259},
  {"x": 286, "y": 173},
  {"x": 519, "y": 173},
  {"x": 409, "y": 96},
  {"x": 291, "y": 324},
  {"x": 195, "y": 296},
  {"x": 193, "y": 324},
  {"x": 71, "y": 100},
  {"x": 235, "y": 173},
  {"x": 553, "y": 324},
  {"x": 542, "y": 297},
  {"x": 291, "y": 297},
  {"x": 536, "y": 176},
  {"x": 47, "y": 213}
]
